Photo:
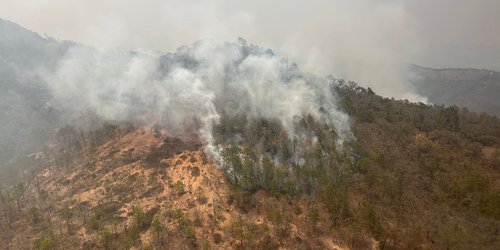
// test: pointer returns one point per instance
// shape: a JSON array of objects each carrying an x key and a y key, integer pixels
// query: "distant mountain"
[
  {"x": 25, "y": 104},
  {"x": 475, "y": 89}
]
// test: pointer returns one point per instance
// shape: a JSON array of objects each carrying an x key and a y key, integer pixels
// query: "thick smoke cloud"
[
  {"x": 365, "y": 41},
  {"x": 187, "y": 91}
]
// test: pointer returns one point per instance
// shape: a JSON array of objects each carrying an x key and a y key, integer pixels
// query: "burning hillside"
[
  {"x": 227, "y": 145},
  {"x": 189, "y": 90}
]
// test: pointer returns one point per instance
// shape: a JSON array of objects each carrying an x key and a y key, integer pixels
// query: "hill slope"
[
  {"x": 416, "y": 176},
  {"x": 142, "y": 188}
]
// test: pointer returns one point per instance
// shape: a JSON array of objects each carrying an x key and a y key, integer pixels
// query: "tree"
[
  {"x": 67, "y": 216},
  {"x": 268, "y": 172},
  {"x": 231, "y": 162},
  {"x": 313, "y": 217},
  {"x": 239, "y": 229},
  {"x": 336, "y": 201},
  {"x": 157, "y": 228},
  {"x": 105, "y": 238},
  {"x": 450, "y": 118},
  {"x": 34, "y": 216},
  {"x": 45, "y": 242},
  {"x": 18, "y": 194},
  {"x": 246, "y": 175}
]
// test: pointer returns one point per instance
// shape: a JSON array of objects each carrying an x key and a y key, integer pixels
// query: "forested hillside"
[{"x": 409, "y": 176}]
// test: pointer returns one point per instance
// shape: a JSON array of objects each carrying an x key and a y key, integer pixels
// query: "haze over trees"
[{"x": 474, "y": 89}]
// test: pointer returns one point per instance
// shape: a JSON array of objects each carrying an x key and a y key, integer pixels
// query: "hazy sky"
[{"x": 362, "y": 40}]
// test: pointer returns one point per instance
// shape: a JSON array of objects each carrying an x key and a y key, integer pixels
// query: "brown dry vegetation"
[
  {"x": 415, "y": 177},
  {"x": 144, "y": 190}
]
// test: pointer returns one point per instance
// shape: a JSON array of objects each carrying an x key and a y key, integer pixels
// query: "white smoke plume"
[
  {"x": 187, "y": 91},
  {"x": 365, "y": 41}
]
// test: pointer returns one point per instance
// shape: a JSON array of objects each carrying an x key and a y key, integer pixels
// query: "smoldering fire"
[{"x": 196, "y": 84}]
